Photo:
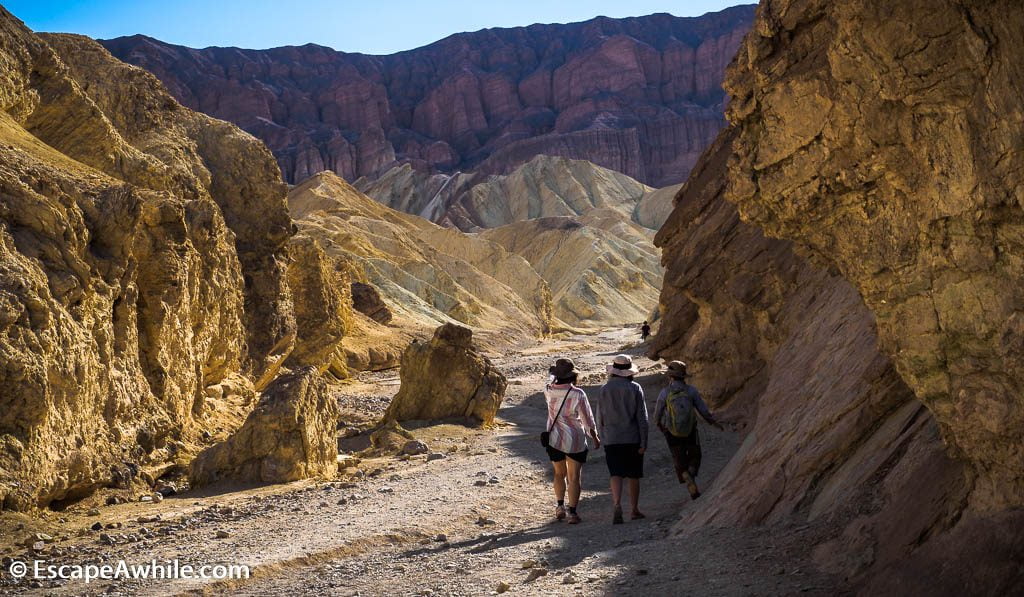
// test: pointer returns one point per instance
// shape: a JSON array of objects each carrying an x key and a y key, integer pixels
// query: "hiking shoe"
[
  {"x": 691, "y": 486},
  {"x": 637, "y": 515},
  {"x": 617, "y": 516},
  {"x": 574, "y": 518},
  {"x": 559, "y": 512}
]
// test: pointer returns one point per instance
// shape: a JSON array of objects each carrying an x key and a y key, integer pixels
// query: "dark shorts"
[
  {"x": 624, "y": 460},
  {"x": 559, "y": 456}
]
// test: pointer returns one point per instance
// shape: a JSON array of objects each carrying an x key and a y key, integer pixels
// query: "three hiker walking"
[{"x": 621, "y": 425}]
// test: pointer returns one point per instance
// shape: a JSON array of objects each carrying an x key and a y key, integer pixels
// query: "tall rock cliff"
[
  {"x": 143, "y": 287},
  {"x": 843, "y": 276},
  {"x": 641, "y": 96},
  {"x": 885, "y": 141}
]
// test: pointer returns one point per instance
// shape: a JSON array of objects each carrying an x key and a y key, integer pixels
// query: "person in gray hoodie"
[{"x": 622, "y": 425}]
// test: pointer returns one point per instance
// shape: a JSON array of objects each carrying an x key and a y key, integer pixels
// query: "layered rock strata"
[
  {"x": 546, "y": 186},
  {"x": 426, "y": 274},
  {"x": 639, "y": 95}
]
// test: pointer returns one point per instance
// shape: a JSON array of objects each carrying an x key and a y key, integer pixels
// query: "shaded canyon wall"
[{"x": 843, "y": 275}]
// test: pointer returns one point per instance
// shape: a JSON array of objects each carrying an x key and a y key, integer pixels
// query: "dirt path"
[{"x": 421, "y": 527}]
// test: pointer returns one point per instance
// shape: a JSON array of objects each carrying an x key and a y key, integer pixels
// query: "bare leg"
[
  {"x": 616, "y": 483},
  {"x": 559, "y": 479},
  {"x": 634, "y": 495},
  {"x": 574, "y": 475}
]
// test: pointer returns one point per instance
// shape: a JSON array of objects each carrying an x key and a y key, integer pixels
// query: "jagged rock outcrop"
[
  {"x": 545, "y": 186},
  {"x": 892, "y": 153},
  {"x": 447, "y": 377},
  {"x": 291, "y": 435},
  {"x": 639, "y": 95},
  {"x": 876, "y": 139},
  {"x": 367, "y": 301},
  {"x": 789, "y": 352},
  {"x": 143, "y": 296},
  {"x": 323, "y": 307},
  {"x": 195, "y": 151}
]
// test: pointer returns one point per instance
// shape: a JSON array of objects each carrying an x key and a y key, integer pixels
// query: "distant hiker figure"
[
  {"x": 570, "y": 422},
  {"x": 675, "y": 413},
  {"x": 622, "y": 424},
  {"x": 645, "y": 330}
]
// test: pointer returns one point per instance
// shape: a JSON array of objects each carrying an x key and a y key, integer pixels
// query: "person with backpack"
[
  {"x": 570, "y": 423},
  {"x": 645, "y": 330},
  {"x": 675, "y": 413},
  {"x": 622, "y": 423}
]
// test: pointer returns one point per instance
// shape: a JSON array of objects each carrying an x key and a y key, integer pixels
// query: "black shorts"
[
  {"x": 624, "y": 460},
  {"x": 559, "y": 456}
]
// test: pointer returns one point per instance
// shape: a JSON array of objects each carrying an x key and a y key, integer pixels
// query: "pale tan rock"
[
  {"x": 323, "y": 306},
  {"x": 446, "y": 377},
  {"x": 545, "y": 186},
  {"x": 290, "y": 435},
  {"x": 890, "y": 152},
  {"x": 140, "y": 244},
  {"x": 877, "y": 140}
]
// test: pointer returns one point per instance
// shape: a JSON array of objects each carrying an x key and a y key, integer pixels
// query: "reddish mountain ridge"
[{"x": 639, "y": 95}]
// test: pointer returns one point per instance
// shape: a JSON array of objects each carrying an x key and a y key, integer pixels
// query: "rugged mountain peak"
[{"x": 639, "y": 95}]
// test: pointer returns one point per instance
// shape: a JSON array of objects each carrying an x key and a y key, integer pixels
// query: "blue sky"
[{"x": 380, "y": 27}]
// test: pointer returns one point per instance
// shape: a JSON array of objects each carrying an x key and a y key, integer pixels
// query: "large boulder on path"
[
  {"x": 447, "y": 377},
  {"x": 291, "y": 435}
]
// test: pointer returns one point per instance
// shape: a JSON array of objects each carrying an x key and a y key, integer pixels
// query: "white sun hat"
[{"x": 622, "y": 365}]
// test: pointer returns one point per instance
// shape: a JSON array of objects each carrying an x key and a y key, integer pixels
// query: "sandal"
[
  {"x": 617, "y": 516},
  {"x": 559, "y": 512},
  {"x": 574, "y": 518},
  {"x": 637, "y": 515}
]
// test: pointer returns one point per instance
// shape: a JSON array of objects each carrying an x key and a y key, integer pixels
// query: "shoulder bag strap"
[{"x": 559, "y": 410}]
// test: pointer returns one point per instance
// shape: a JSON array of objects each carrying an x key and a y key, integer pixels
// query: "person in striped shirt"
[{"x": 571, "y": 425}]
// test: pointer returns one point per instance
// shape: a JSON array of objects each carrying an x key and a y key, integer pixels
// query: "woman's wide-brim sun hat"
[
  {"x": 562, "y": 368},
  {"x": 622, "y": 365}
]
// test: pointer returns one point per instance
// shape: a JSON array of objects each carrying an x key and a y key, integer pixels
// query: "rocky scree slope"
[
  {"x": 640, "y": 95},
  {"x": 143, "y": 271},
  {"x": 868, "y": 348}
]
